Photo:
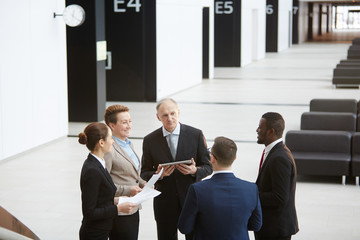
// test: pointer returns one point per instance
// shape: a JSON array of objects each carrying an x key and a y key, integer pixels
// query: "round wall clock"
[{"x": 74, "y": 15}]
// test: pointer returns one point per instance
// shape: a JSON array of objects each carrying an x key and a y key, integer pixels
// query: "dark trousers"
[
  {"x": 168, "y": 230},
  {"x": 167, "y": 217},
  {"x": 125, "y": 227},
  {"x": 92, "y": 234},
  {"x": 271, "y": 238}
]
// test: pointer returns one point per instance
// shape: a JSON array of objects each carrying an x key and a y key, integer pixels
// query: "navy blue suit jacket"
[{"x": 222, "y": 207}]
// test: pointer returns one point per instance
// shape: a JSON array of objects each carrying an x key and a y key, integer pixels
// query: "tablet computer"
[{"x": 177, "y": 162}]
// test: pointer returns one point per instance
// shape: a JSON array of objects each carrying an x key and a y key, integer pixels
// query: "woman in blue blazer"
[{"x": 97, "y": 188}]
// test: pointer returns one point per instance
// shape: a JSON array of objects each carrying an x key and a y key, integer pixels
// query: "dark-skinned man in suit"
[{"x": 276, "y": 181}]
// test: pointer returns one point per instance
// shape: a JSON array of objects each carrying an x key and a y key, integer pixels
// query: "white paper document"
[
  {"x": 153, "y": 179},
  {"x": 147, "y": 193}
]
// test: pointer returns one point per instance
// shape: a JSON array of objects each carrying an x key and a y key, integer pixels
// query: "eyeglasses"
[{"x": 210, "y": 153}]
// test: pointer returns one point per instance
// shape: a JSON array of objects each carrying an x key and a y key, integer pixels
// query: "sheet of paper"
[
  {"x": 153, "y": 179},
  {"x": 145, "y": 194}
]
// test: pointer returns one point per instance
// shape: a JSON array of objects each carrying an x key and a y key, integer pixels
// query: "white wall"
[
  {"x": 303, "y": 21},
  {"x": 253, "y": 30},
  {"x": 33, "y": 79},
  {"x": 285, "y": 10},
  {"x": 330, "y": 18},
  {"x": 324, "y": 17},
  {"x": 323, "y": 20},
  {"x": 179, "y": 44},
  {"x": 316, "y": 20}
]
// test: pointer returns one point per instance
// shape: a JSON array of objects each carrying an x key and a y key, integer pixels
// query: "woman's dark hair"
[{"x": 92, "y": 134}]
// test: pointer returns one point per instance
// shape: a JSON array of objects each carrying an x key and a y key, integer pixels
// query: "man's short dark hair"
[
  {"x": 275, "y": 121},
  {"x": 224, "y": 151}
]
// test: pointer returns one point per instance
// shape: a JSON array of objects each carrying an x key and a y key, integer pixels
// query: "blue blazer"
[{"x": 222, "y": 207}]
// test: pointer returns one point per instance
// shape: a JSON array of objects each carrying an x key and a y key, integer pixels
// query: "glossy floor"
[{"x": 41, "y": 187}]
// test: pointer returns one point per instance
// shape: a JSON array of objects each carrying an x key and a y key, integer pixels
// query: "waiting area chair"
[{"x": 327, "y": 142}]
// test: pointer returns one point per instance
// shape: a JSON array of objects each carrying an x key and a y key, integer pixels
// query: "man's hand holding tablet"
[
  {"x": 168, "y": 170},
  {"x": 176, "y": 163},
  {"x": 187, "y": 169}
]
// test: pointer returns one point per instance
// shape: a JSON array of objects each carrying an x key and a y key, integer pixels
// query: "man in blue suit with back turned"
[{"x": 224, "y": 206}]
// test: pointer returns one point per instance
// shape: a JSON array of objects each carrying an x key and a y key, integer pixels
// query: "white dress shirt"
[
  {"x": 269, "y": 147},
  {"x": 102, "y": 161}
]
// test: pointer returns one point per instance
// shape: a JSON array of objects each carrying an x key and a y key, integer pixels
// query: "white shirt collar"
[
  {"x": 176, "y": 130},
  {"x": 100, "y": 160},
  {"x": 223, "y": 171},
  {"x": 271, "y": 145},
  {"x": 216, "y": 172}
]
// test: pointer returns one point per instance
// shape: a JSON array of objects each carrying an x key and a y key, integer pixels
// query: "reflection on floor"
[
  {"x": 338, "y": 36},
  {"x": 41, "y": 187}
]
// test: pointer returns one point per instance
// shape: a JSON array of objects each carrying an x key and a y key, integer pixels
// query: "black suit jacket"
[
  {"x": 173, "y": 188},
  {"x": 97, "y": 195},
  {"x": 277, "y": 183}
]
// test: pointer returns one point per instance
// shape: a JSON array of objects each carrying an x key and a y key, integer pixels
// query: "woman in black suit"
[{"x": 97, "y": 187}]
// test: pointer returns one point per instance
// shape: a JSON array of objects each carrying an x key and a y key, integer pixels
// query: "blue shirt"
[{"x": 125, "y": 145}]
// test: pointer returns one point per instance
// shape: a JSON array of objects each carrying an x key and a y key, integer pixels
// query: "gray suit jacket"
[{"x": 123, "y": 172}]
